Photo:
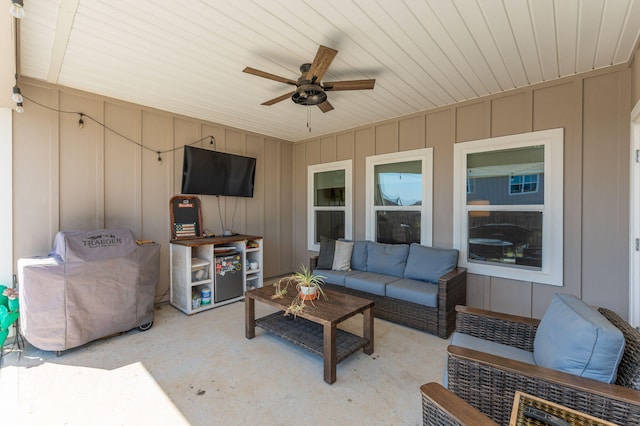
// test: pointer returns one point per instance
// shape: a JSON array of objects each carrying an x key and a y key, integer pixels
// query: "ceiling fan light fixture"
[
  {"x": 310, "y": 86},
  {"x": 309, "y": 94},
  {"x": 17, "y": 9}
]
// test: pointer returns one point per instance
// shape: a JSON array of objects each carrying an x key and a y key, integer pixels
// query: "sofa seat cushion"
[
  {"x": 428, "y": 263},
  {"x": 387, "y": 259},
  {"x": 335, "y": 277},
  {"x": 575, "y": 338},
  {"x": 487, "y": 346},
  {"x": 415, "y": 291},
  {"x": 369, "y": 282}
]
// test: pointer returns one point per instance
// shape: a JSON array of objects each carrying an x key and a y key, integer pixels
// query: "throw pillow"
[
  {"x": 327, "y": 249},
  {"x": 428, "y": 263},
  {"x": 342, "y": 256},
  {"x": 575, "y": 338}
]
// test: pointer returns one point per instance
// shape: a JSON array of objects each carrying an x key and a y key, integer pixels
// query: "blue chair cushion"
[
  {"x": 487, "y": 346},
  {"x": 389, "y": 259},
  {"x": 428, "y": 263},
  {"x": 575, "y": 338},
  {"x": 369, "y": 282},
  {"x": 414, "y": 291}
]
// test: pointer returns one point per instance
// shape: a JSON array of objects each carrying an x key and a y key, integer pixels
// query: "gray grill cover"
[{"x": 93, "y": 284}]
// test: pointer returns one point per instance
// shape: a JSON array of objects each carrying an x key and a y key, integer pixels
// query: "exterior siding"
[
  {"x": 67, "y": 177},
  {"x": 593, "y": 109}
]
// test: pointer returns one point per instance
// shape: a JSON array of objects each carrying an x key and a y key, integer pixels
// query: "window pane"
[
  {"x": 329, "y": 188},
  {"x": 398, "y": 184},
  {"x": 398, "y": 227},
  {"x": 329, "y": 224},
  {"x": 523, "y": 184},
  {"x": 513, "y": 238},
  {"x": 507, "y": 177}
]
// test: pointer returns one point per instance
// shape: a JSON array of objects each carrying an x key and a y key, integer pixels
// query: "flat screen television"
[{"x": 217, "y": 173}]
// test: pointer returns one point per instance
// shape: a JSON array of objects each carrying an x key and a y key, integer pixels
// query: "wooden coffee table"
[{"x": 315, "y": 328}]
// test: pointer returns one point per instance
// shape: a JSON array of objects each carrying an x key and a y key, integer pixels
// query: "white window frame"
[
  {"x": 552, "y": 210},
  {"x": 426, "y": 156},
  {"x": 345, "y": 165},
  {"x": 634, "y": 219}
]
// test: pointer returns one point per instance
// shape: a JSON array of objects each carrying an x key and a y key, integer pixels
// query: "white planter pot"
[{"x": 309, "y": 293}]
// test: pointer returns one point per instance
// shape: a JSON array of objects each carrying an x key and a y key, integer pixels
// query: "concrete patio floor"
[{"x": 201, "y": 370}]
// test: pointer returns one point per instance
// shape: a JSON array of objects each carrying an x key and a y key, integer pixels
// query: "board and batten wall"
[
  {"x": 71, "y": 178},
  {"x": 593, "y": 109}
]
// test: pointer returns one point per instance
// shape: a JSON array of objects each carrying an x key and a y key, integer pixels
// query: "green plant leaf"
[
  {"x": 4, "y": 311},
  {"x": 8, "y": 320}
]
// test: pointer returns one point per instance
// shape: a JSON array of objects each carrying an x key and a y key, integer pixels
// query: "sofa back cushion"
[
  {"x": 428, "y": 263},
  {"x": 389, "y": 259},
  {"x": 575, "y": 338},
  {"x": 359, "y": 255}
]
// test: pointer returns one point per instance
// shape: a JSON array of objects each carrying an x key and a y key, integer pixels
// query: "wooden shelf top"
[{"x": 203, "y": 241}]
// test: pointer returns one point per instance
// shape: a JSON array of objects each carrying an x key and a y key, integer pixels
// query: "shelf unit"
[
  {"x": 192, "y": 264},
  {"x": 253, "y": 275}
]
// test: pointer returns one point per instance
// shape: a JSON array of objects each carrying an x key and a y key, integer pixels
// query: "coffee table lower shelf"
[{"x": 309, "y": 335}]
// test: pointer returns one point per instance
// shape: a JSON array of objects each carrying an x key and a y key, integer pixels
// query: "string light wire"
[
  {"x": 16, "y": 95},
  {"x": 212, "y": 139}
]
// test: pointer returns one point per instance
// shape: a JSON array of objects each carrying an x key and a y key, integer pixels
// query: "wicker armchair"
[
  {"x": 489, "y": 382},
  {"x": 441, "y": 407}
]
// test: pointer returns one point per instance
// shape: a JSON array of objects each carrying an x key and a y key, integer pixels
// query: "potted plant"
[
  {"x": 308, "y": 287},
  {"x": 9, "y": 311}
]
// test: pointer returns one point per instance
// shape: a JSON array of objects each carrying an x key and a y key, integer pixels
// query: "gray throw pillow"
[{"x": 327, "y": 251}]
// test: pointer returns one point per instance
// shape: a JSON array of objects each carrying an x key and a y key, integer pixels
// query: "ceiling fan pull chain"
[{"x": 308, "y": 119}]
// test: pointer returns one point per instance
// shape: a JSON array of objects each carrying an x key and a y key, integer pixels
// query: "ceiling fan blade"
[
  {"x": 270, "y": 76},
  {"x": 321, "y": 63},
  {"x": 349, "y": 85},
  {"x": 278, "y": 99},
  {"x": 325, "y": 106}
]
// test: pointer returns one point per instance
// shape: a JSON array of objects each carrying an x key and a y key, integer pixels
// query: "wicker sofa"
[
  {"x": 414, "y": 285},
  {"x": 488, "y": 382}
]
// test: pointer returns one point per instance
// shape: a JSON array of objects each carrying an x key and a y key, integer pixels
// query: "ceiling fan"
[{"x": 310, "y": 89}]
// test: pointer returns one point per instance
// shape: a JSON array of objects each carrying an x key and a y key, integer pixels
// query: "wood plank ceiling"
[{"x": 187, "y": 57}]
